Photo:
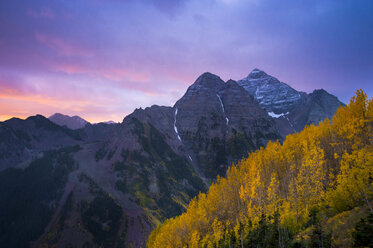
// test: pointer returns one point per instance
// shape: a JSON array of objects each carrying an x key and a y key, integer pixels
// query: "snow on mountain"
[{"x": 273, "y": 95}]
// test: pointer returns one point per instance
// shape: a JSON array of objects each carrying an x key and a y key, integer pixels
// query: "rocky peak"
[
  {"x": 231, "y": 82},
  {"x": 328, "y": 102},
  {"x": 272, "y": 95},
  {"x": 257, "y": 73},
  {"x": 240, "y": 107},
  {"x": 207, "y": 82},
  {"x": 200, "y": 100},
  {"x": 326, "y": 99},
  {"x": 321, "y": 93}
]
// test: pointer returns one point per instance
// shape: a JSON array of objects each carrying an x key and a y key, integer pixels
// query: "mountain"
[
  {"x": 314, "y": 108},
  {"x": 22, "y": 141},
  {"x": 274, "y": 96},
  {"x": 312, "y": 190},
  {"x": 72, "y": 122},
  {"x": 109, "y": 122},
  {"x": 219, "y": 122},
  {"x": 111, "y": 184},
  {"x": 291, "y": 109}
]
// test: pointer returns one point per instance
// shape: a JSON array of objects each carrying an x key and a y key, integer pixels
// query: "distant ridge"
[{"x": 72, "y": 122}]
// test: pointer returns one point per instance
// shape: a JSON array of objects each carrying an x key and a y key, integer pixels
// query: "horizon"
[
  {"x": 120, "y": 121},
  {"x": 102, "y": 60}
]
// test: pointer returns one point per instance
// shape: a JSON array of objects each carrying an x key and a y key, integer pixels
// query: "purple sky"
[{"x": 101, "y": 59}]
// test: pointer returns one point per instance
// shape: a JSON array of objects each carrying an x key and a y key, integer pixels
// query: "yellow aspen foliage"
[
  {"x": 217, "y": 231},
  {"x": 195, "y": 239},
  {"x": 328, "y": 167},
  {"x": 273, "y": 196},
  {"x": 355, "y": 182}
]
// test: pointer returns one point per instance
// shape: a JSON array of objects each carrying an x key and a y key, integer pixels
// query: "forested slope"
[{"x": 277, "y": 194}]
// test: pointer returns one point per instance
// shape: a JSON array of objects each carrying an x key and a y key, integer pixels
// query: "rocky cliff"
[{"x": 291, "y": 109}]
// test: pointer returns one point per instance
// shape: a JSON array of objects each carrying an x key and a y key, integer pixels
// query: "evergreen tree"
[{"x": 363, "y": 234}]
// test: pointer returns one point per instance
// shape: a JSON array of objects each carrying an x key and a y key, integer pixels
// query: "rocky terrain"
[
  {"x": 291, "y": 109},
  {"x": 110, "y": 184}
]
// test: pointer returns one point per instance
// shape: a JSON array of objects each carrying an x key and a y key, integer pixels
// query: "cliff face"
[
  {"x": 317, "y": 106},
  {"x": 220, "y": 122},
  {"x": 291, "y": 109},
  {"x": 274, "y": 96}
]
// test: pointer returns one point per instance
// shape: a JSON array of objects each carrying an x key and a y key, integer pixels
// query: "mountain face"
[
  {"x": 21, "y": 141},
  {"x": 274, "y": 96},
  {"x": 291, "y": 109},
  {"x": 72, "y": 122},
  {"x": 111, "y": 184},
  {"x": 219, "y": 122},
  {"x": 314, "y": 108}
]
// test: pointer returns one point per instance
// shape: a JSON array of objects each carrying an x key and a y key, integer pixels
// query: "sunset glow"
[{"x": 102, "y": 59}]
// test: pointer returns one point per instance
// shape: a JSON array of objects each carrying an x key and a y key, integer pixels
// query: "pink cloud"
[
  {"x": 62, "y": 47},
  {"x": 116, "y": 77},
  {"x": 118, "y": 74},
  {"x": 71, "y": 68}
]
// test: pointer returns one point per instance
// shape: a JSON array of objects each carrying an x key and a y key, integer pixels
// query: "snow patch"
[
  {"x": 277, "y": 115},
  {"x": 190, "y": 158},
  {"x": 290, "y": 123},
  {"x": 175, "y": 128},
  {"x": 221, "y": 103},
  {"x": 222, "y": 108}
]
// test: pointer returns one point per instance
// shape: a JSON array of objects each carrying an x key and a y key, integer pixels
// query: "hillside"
[{"x": 290, "y": 194}]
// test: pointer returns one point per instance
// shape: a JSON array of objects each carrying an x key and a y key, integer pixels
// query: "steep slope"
[
  {"x": 219, "y": 123},
  {"x": 21, "y": 141},
  {"x": 316, "y": 107},
  {"x": 72, "y": 122},
  {"x": 274, "y": 96},
  {"x": 141, "y": 168},
  {"x": 291, "y": 109}
]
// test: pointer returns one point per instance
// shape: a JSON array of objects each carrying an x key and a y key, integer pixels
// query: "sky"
[{"x": 101, "y": 59}]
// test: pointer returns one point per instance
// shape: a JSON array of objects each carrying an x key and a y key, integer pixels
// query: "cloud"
[
  {"x": 61, "y": 46},
  {"x": 109, "y": 57}
]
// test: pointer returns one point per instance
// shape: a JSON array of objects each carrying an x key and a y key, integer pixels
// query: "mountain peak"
[
  {"x": 209, "y": 80},
  {"x": 206, "y": 82},
  {"x": 320, "y": 91},
  {"x": 231, "y": 81},
  {"x": 323, "y": 95},
  {"x": 72, "y": 122},
  {"x": 257, "y": 73},
  {"x": 272, "y": 95}
]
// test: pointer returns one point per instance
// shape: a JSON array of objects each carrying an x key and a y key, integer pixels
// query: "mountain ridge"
[
  {"x": 72, "y": 122},
  {"x": 149, "y": 166}
]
